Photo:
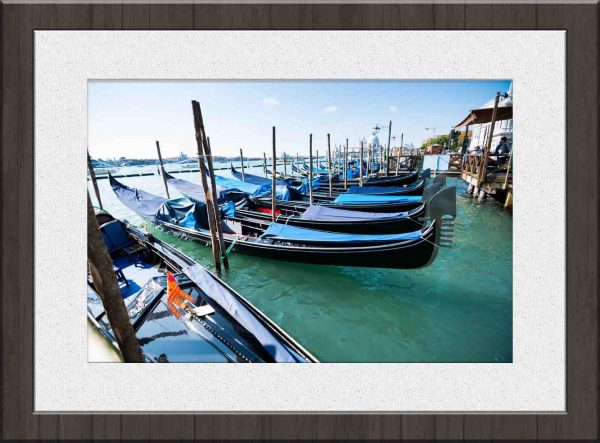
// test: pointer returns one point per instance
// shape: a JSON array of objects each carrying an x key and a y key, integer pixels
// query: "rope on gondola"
[{"x": 230, "y": 248}]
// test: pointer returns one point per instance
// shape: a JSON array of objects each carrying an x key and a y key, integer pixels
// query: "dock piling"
[
  {"x": 387, "y": 161},
  {"x": 162, "y": 169},
  {"x": 242, "y": 162},
  {"x": 200, "y": 136},
  {"x": 107, "y": 287},
  {"x": 360, "y": 181},
  {"x": 265, "y": 164},
  {"x": 274, "y": 180},
  {"x": 329, "y": 165},
  {"x": 483, "y": 171},
  {"x": 94, "y": 182},
  {"x": 310, "y": 172},
  {"x": 217, "y": 209},
  {"x": 399, "y": 153},
  {"x": 346, "y": 165}
]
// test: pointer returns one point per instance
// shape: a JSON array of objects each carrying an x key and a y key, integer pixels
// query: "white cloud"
[
  {"x": 271, "y": 101},
  {"x": 393, "y": 108},
  {"x": 330, "y": 109}
]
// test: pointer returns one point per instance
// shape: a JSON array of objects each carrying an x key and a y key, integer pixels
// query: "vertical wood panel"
[
  {"x": 286, "y": 16},
  {"x": 135, "y": 427},
  {"x": 291, "y": 426},
  {"x": 478, "y": 16},
  {"x": 248, "y": 16},
  {"x": 28, "y": 423},
  {"x": 511, "y": 16},
  {"x": 478, "y": 427},
  {"x": 582, "y": 215},
  {"x": 355, "y": 16},
  {"x": 136, "y": 16},
  {"x": 171, "y": 16},
  {"x": 10, "y": 242},
  {"x": 449, "y": 16}
]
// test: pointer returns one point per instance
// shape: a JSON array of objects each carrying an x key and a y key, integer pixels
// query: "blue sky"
[{"x": 126, "y": 117}]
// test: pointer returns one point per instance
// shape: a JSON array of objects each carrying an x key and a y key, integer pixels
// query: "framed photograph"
[{"x": 381, "y": 214}]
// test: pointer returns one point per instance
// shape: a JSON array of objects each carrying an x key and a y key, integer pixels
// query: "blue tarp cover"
[
  {"x": 351, "y": 199},
  {"x": 381, "y": 189},
  {"x": 137, "y": 200},
  {"x": 189, "y": 213},
  {"x": 256, "y": 179},
  {"x": 196, "y": 191},
  {"x": 278, "y": 231},
  {"x": 324, "y": 213},
  {"x": 281, "y": 191},
  {"x": 221, "y": 295},
  {"x": 183, "y": 212}
]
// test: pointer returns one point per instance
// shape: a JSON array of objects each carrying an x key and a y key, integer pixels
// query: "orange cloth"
[{"x": 176, "y": 296}]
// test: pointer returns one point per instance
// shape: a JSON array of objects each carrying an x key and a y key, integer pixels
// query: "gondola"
[
  {"x": 258, "y": 212},
  {"x": 299, "y": 188},
  {"x": 291, "y": 243},
  {"x": 213, "y": 323},
  {"x": 334, "y": 218}
]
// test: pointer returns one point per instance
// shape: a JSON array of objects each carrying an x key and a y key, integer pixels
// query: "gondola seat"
[{"x": 115, "y": 236}]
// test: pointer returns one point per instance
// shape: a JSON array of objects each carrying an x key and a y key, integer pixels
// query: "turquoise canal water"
[{"x": 459, "y": 309}]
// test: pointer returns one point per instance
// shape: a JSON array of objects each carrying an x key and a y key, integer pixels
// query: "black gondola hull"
[{"x": 404, "y": 255}]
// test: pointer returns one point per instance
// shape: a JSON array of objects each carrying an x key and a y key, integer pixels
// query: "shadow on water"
[{"x": 459, "y": 309}]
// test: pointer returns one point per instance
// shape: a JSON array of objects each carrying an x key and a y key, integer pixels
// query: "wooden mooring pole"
[
  {"x": 94, "y": 182},
  {"x": 399, "y": 153},
  {"x": 389, "y": 145},
  {"x": 215, "y": 197},
  {"x": 107, "y": 287},
  {"x": 265, "y": 163},
  {"x": 310, "y": 172},
  {"x": 483, "y": 171},
  {"x": 242, "y": 162},
  {"x": 200, "y": 136},
  {"x": 162, "y": 169},
  {"x": 360, "y": 181},
  {"x": 346, "y": 165},
  {"x": 274, "y": 181},
  {"x": 284, "y": 166},
  {"x": 329, "y": 165}
]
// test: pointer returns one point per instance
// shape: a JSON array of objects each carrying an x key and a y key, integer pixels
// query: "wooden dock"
[{"x": 496, "y": 183}]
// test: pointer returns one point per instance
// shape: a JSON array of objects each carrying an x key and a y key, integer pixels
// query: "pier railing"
[{"x": 498, "y": 176}]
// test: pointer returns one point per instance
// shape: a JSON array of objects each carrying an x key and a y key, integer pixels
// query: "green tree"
[{"x": 437, "y": 140}]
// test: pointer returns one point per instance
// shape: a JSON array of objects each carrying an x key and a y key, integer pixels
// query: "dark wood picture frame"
[{"x": 17, "y": 219}]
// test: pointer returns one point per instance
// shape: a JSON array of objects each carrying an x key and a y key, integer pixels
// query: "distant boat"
[{"x": 104, "y": 170}]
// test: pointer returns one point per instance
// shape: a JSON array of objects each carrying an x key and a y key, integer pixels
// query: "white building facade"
[{"x": 503, "y": 128}]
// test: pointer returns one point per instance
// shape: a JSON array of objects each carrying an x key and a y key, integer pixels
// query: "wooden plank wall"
[{"x": 16, "y": 219}]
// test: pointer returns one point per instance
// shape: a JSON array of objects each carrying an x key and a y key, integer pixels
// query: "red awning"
[{"x": 479, "y": 116}]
